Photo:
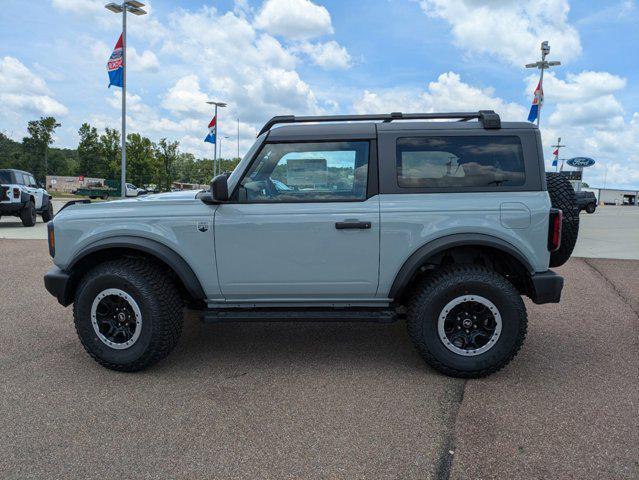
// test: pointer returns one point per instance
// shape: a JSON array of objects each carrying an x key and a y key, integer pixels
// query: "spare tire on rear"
[{"x": 562, "y": 196}]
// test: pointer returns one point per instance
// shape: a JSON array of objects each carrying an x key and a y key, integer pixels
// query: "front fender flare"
[
  {"x": 164, "y": 253},
  {"x": 423, "y": 253}
]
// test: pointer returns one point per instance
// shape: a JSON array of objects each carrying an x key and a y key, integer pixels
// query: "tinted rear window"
[
  {"x": 458, "y": 162},
  {"x": 5, "y": 176}
]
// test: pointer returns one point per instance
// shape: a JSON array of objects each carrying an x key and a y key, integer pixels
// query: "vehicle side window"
[
  {"x": 460, "y": 161},
  {"x": 32, "y": 182},
  {"x": 308, "y": 172}
]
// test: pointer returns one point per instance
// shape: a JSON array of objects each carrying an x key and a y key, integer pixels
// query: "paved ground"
[
  {"x": 611, "y": 232},
  {"x": 321, "y": 401}
]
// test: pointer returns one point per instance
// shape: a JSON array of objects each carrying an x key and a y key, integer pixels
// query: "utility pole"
[
  {"x": 557, "y": 147},
  {"x": 134, "y": 7},
  {"x": 215, "y": 162},
  {"x": 238, "y": 138},
  {"x": 542, "y": 65}
]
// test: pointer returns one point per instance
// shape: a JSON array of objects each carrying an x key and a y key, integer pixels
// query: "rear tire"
[
  {"x": 477, "y": 289},
  {"x": 128, "y": 296},
  {"x": 562, "y": 196},
  {"x": 590, "y": 208},
  {"x": 28, "y": 214}
]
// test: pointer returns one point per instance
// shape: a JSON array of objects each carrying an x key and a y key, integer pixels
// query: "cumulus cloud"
[
  {"x": 508, "y": 29},
  {"x": 295, "y": 19},
  {"x": 23, "y": 91},
  {"x": 329, "y": 56},
  {"x": 449, "y": 93}
]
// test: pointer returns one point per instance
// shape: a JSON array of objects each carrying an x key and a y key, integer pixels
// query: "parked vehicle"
[
  {"x": 21, "y": 196},
  {"x": 586, "y": 201},
  {"x": 109, "y": 189},
  {"x": 447, "y": 224}
]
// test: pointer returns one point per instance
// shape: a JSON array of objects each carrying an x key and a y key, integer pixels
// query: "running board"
[{"x": 292, "y": 315}]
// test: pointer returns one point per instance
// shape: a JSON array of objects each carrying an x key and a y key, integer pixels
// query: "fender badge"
[{"x": 202, "y": 226}]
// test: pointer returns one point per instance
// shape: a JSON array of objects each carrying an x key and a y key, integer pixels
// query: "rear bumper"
[
  {"x": 10, "y": 208},
  {"x": 546, "y": 287},
  {"x": 57, "y": 283}
]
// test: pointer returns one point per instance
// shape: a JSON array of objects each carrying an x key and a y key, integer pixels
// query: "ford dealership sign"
[{"x": 581, "y": 162}]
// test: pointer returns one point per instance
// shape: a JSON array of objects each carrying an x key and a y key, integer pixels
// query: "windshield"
[
  {"x": 237, "y": 172},
  {"x": 5, "y": 176}
]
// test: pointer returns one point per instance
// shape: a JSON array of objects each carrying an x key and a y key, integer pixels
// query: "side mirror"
[{"x": 220, "y": 189}]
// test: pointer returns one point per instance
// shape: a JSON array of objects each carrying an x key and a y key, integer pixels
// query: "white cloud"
[
  {"x": 147, "y": 61},
  {"x": 448, "y": 94},
  {"x": 185, "y": 97},
  {"x": 23, "y": 91},
  {"x": 329, "y": 56},
  {"x": 295, "y": 19},
  {"x": 508, "y": 29},
  {"x": 586, "y": 98}
]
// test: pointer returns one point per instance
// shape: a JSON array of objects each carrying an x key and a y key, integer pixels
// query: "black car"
[{"x": 586, "y": 201}]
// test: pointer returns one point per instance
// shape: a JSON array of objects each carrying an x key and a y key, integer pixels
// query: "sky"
[{"x": 277, "y": 57}]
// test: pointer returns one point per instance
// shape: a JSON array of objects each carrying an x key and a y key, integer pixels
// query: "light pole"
[
  {"x": 542, "y": 65},
  {"x": 238, "y": 138},
  {"x": 135, "y": 8},
  {"x": 215, "y": 163}
]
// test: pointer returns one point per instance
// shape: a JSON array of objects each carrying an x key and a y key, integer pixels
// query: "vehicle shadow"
[{"x": 274, "y": 345}]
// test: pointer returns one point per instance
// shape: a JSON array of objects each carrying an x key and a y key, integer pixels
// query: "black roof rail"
[{"x": 488, "y": 118}]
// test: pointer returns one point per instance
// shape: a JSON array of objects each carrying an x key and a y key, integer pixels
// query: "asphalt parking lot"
[{"x": 321, "y": 401}]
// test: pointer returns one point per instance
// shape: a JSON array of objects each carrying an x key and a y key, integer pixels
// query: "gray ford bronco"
[{"x": 446, "y": 224}]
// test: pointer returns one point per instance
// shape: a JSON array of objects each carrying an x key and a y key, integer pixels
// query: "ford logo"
[{"x": 581, "y": 162}]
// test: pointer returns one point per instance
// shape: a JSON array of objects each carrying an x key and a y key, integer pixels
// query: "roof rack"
[{"x": 488, "y": 118}]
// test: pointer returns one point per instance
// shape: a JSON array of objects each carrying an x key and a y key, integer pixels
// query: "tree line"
[{"x": 98, "y": 154}]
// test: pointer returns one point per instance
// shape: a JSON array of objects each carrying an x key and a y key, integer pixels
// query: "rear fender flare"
[{"x": 423, "y": 253}]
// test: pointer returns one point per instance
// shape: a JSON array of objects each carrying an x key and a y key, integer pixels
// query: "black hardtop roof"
[
  {"x": 366, "y": 126},
  {"x": 14, "y": 170},
  {"x": 368, "y": 130}
]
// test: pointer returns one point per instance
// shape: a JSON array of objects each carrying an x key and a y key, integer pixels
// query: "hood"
[{"x": 181, "y": 195}]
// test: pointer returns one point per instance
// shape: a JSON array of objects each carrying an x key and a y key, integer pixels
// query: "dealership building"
[{"x": 612, "y": 196}]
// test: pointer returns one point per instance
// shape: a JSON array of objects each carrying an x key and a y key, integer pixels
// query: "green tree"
[
  {"x": 141, "y": 164},
  {"x": 111, "y": 152},
  {"x": 89, "y": 151},
  {"x": 36, "y": 145},
  {"x": 167, "y": 154}
]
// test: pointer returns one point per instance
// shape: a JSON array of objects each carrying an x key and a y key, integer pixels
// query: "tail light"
[
  {"x": 554, "y": 229},
  {"x": 16, "y": 193},
  {"x": 51, "y": 238}
]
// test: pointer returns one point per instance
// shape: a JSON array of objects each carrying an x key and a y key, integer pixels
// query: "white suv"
[{"x": 21, "y": 196}]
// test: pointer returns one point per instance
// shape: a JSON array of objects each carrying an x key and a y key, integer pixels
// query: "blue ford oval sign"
[{"x": 581, "y": 162}]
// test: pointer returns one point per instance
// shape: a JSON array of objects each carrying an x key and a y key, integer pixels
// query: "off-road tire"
[
  {"x": 47, "y": 213},
  {"x": 590, "y": 208},
  {"x": 160, "y": 305},
  {"x": 28, "y": 214},
  {"x": 430, "y": 296},
  {"x": 562, "y": 196}
]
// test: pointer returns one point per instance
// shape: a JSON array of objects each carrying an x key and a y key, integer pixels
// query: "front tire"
[
  {"x": 28, "y": 214},
  {"x": 47, "y": 213},
  {"x": 590, "y": 208},
  {"x": 128, "y": 314},
  {"x": 466, "y": 321}
]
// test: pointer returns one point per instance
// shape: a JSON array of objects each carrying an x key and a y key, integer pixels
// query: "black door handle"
[{"x": 352, "y": 224}]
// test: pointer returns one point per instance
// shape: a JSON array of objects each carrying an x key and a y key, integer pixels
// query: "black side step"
[{"x": 294, "y": 315}]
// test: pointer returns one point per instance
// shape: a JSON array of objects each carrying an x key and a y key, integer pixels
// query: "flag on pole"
[
  {"x": 115, "y": 65},
  {"x": 556, "y": 152},
  {"x": 554, "y": 162},
  {"x": 211, "y": 136},
  {"x": 538, "y": 100}
]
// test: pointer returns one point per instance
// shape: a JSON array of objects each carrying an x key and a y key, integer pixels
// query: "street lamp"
[
  {"x": 215, "y": 162},
  {"x": 135, "y": 8},
  {"x": 542, "y": 65}
]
